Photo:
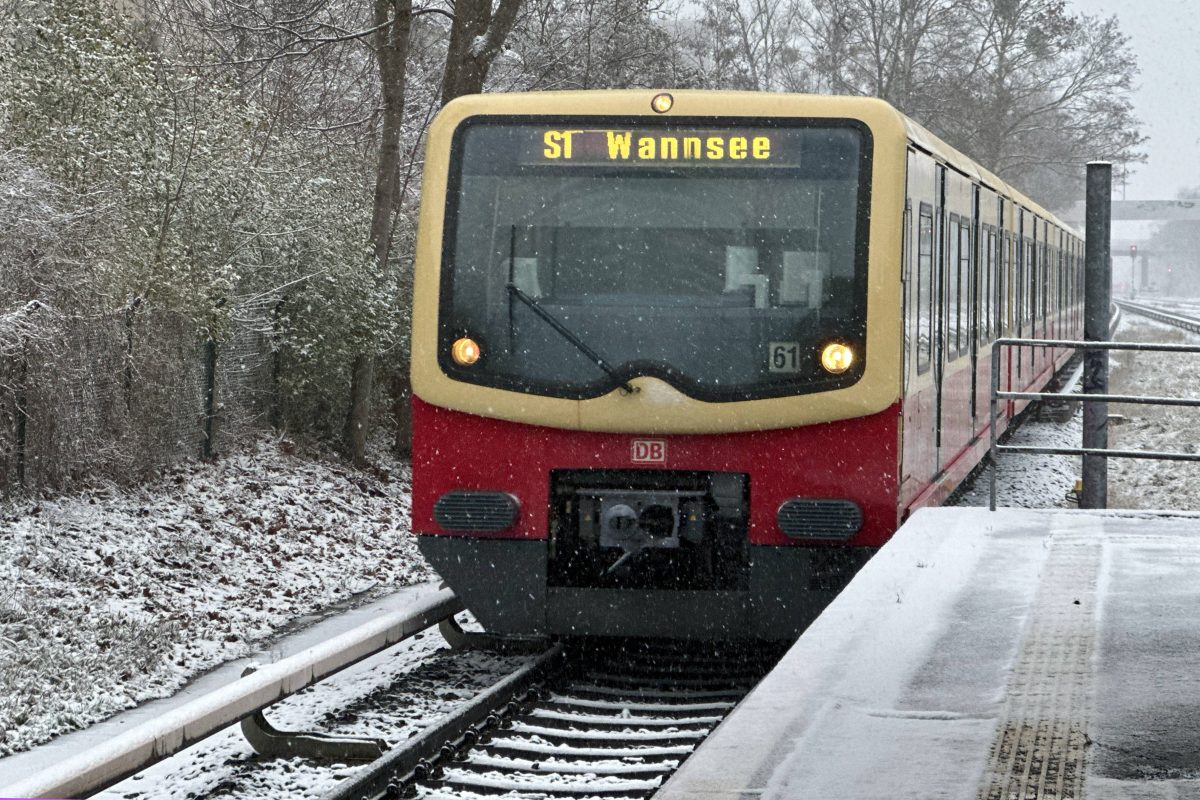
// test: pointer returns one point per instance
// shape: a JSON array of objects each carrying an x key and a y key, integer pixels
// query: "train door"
[
  {"x": 941, "y": 293},
  {"x": 919, "y": 456},
  {"x": 1005, "y": 295},
  {"x": 1037, "y": 320},
  {"x": 973, "y": 306},
  {"x": 1021, "y": 291}
]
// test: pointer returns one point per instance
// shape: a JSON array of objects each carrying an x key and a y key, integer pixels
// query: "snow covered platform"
[{"x": 1009, "y": 654}]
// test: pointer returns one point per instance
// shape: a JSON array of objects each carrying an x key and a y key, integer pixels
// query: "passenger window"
[
  {"x": 925, "y": 289},
  {"x": 966, "y": 300},
  {"x": 951, "y": 292},
  {"x": 989, "y": 288}
]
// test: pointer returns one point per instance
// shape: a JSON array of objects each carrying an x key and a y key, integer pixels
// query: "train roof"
[
  {"x": 614, "y": 101},
  {"x": 925, "y": 139}
]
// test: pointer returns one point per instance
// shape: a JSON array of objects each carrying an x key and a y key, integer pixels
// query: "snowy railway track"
[
  {"x": 133, "y": 751},
  {"x": 610, "y": 721},
  {"x": 1177, "y": 320}
]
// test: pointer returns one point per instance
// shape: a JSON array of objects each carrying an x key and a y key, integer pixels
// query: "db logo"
[{"x": 649, "y": 451}]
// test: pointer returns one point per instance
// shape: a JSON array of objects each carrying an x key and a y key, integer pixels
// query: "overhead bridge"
[
  {"x": 1161, "y": 210},
  {"x": 1010, "y": 654}
]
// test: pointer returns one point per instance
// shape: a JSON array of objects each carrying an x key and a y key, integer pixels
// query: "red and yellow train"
[{"x": 683, "y": 361}]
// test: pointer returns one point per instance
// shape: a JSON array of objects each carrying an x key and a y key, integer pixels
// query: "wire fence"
[{"x": 120, "y": 396}]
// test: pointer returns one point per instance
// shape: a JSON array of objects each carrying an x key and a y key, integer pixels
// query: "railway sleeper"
[
  {"x": 485, "y": 763},
  {"x": 636, "y": 694},
  {"x": 554, "y": 718},
  {"x": 662, "y": 737},
  {"x": 515, "y": 747},
  {"x": 617, "y": 705},
  {"x": 675, "y": 682},
  {"x": 545, "y": 785}
]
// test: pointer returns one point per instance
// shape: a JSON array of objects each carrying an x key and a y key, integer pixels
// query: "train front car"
[{"x": 656, "y": 353}]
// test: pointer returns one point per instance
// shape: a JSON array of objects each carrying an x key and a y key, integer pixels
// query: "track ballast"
[{"x": 614, "y": 721}]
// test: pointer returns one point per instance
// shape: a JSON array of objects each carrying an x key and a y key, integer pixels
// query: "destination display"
[{"x": 656, "y": 146}]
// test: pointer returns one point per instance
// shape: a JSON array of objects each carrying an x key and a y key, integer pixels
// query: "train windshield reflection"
[{"x": 720, "y": 261}]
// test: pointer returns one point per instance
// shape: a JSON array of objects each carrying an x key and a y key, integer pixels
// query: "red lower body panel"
[{"x": 854, "y": 459}]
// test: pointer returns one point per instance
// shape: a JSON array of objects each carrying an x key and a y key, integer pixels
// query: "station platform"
[{"x": 992, "y": 655}]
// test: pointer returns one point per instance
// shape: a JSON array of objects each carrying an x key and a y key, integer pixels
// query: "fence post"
[
  {"x": 130, "y": 311},
  {"x": 210, "y": 395},
  {"x": 22, "y": 416},
  {"x": 1096, "y": 307},
  {"x": 277, "y": 364}
]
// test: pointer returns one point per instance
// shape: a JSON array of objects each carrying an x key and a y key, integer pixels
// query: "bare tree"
[
  {"x": 596, "y": 44},
  {"x": 477, "y": 35},
  {"x": 393, "y": 28},
  {"x": 1026, "y": 87},
  {"x": 903, "y": 51},
  {"x": 748, "y": 44},
  {"x": 1047, "y": 91}
]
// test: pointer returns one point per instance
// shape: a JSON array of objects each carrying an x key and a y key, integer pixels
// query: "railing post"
[
  {"x": 992, "y": 422},
  {"x": 1097, "y": 301}
]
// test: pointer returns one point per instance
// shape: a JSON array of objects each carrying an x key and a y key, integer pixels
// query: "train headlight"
[
  {"x": 465, "y": 351},
  {"x": 836, "y": 358},
  {"x": 662, "y": 103}
]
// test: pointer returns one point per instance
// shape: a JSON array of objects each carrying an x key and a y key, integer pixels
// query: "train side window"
[
  {"x": 964, "y": 287},
  {"x": 1060, "y": 279},
  {"x": 925, "y": 289},
  {"x": 1044, "y": 258},
  {"x": 1003, "y": 283},
  {"x": 1038, "y": 268},
  {"x": 988, "y": 289},
  {"x": 951, "y": 293},
  {"x": 985, "y": 283},
  {"x": 1008, "y": 295},
  {"x": 1019, "y": 288},
  {"x": 1030, "y": 284}
]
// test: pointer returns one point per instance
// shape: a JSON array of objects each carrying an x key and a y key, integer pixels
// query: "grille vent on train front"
[
  {"x": 475, "y": 511},
  {"x": 805, "y": 518}
]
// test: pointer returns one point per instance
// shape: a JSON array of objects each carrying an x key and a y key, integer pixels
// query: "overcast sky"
[{"x": 1165, "y": 34}]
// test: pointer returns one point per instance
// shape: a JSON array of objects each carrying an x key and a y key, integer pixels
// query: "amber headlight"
[
  {"x": 465, "y": 351},
  {"x": 836, "y": 358}
]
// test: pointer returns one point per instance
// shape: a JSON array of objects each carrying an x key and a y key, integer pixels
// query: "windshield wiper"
[{"x": 570, "y": 336}]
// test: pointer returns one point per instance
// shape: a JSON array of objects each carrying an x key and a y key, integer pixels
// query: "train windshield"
[{"x": 718, "y": 256}]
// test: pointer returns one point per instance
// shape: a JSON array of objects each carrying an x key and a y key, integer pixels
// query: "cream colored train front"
[{"x": 659, "y": 355}]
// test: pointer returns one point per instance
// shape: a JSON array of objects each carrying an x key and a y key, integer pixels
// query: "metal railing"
[{"x": 998, "y": 395}]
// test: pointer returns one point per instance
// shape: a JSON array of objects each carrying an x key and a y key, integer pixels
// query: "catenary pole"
[{"x": 1096, "y": 304}]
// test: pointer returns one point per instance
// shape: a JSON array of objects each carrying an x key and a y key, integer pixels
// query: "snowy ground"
[
  {"x": 112, "y": 597},
  {"x": 1155, "y": 484},
  {"x": 391, "y": 696}
]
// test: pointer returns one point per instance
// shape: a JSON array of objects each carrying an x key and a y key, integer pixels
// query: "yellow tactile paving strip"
[{"x": 1041, "y": 744}]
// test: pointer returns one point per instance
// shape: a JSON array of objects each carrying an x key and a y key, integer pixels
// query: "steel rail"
[
  {"x": 1100, "y": 398},
  {"x": 1096, "y": 451},
  {"x": 1077, "y": 345},
  {"x": 1178, "y": 320},
  {"x": 385, "y": 775},
  {"x": 133, "y": 751}
]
